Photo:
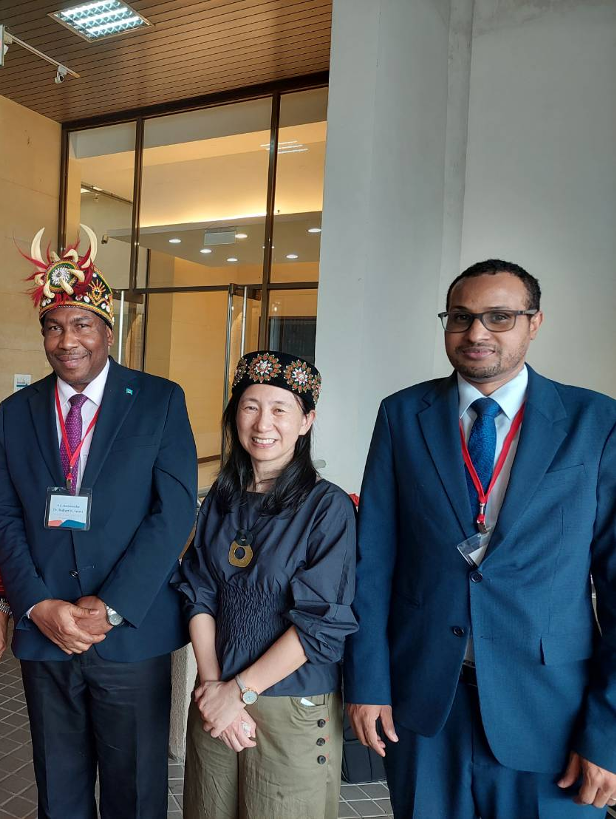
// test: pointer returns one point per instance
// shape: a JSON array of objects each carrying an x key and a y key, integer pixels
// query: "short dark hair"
[{"x": 493, "y": 266}]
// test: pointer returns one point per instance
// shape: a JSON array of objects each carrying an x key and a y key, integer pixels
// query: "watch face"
[
  {"x": 114, "y": 618},
  {"x": 249, "y": 696}
]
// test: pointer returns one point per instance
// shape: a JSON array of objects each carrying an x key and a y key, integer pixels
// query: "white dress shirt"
[
  {"x": 94, "y": 393},
  {"x": 510, "y": 398}
]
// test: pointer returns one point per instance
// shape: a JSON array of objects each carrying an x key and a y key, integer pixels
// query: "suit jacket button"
[
  {"x": 320, "y": 723},
  {"x": 321, "y": 759},
  {"x": 73, "y": 573},
  {"x": 458, "y": 631},
  {"x": 476, "y": 577}
]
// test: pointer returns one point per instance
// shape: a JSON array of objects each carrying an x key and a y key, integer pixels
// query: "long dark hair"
[{"x": 290, "y": 488}]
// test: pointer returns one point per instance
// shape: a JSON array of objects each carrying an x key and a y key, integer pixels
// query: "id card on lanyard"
[
  {"x": 473, "y": 548},
  {"x": 64, "y": 508}
]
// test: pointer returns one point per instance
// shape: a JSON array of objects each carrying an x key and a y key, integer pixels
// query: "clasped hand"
[
  {"x": 72, "y": 627},
  {"x": 224, "y": 715}
]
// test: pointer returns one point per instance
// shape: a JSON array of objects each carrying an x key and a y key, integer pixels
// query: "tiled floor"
[{"x": 18, "y": 792}]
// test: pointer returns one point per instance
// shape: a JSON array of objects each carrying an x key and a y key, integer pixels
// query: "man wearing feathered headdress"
[{"x": 97, "y": 498}]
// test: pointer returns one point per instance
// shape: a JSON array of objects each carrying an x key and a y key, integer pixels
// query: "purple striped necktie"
[{"x": 74, "y": 424}]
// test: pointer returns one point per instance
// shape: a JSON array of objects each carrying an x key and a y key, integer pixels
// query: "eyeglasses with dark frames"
[{"x": 496, "y": 321}]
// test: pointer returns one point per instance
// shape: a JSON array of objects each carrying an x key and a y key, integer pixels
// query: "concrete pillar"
[
  {"x": 183, "y": 674},
  {"x": 393, "y": 202}
]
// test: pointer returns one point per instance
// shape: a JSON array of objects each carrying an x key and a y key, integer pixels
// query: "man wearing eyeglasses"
[{"x": 488, "y": 503}]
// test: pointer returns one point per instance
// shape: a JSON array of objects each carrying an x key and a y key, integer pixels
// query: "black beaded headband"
[{"x": 279, "y": 370}]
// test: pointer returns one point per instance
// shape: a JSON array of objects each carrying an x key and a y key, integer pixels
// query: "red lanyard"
[
  {"x": 72, "y": 457},
  {"x": 484, "y": 496}
]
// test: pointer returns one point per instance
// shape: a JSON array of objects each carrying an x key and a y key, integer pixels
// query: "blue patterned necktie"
[{"x": 482, "y": 447}]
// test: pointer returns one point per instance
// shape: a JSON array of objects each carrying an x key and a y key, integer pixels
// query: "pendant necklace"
[{"x": 240, "y": 551}]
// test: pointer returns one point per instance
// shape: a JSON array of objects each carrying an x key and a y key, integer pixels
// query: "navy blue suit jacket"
[
  {"x": 547, "y": 677},
  {"x": 143, "y": 474}
]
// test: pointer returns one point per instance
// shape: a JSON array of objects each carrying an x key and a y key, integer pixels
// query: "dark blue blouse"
[{"x": 302, "y": 573}]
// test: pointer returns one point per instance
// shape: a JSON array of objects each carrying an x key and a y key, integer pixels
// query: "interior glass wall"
[
  {"x": 204, "y": 195},
  {"x": 99, "y": 193},
  {"x": 292, "y": 321},
  {"x": 205, "y": 180},
  {"x": 299, "y": 186},
  {"x": 185, "y": 342}
]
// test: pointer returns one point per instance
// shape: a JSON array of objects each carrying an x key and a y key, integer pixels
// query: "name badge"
[
  {"x": 66, "y": 511},
  {"x": 474, "y": 548}
]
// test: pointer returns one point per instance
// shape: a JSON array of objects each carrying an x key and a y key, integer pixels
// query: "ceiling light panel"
[
  {"x": 287, "y": 147},
  {"x": 102, "y": 18}
]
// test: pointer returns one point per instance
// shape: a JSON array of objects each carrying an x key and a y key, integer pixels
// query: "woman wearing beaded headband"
[{"x": 268, "y": 586}]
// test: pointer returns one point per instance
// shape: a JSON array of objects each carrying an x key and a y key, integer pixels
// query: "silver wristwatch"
[
  {"x": 113, "y": 617},
  {"x": 249, "y": 696}
]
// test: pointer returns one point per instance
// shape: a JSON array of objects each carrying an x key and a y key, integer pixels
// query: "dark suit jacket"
[
  {"x": 142, "y": 471},
  {"x": 547, "y": 679}
]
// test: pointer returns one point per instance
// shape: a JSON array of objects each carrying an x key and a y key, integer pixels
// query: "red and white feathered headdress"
[{"x": 69, "y": 280}]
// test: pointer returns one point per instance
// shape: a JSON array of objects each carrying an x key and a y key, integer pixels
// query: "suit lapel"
[
  {"x": 115, "y": 406},
  {"x": 43, "y": 410},
  {"x": 540, "y": 438},
  {"x": 439, "y": 424}
]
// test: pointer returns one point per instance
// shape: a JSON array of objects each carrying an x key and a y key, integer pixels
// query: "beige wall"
[
  {"x": 29, "y": 190},
  {"x": 185, "y": 342},
  {"x": 198, "y": 332}
]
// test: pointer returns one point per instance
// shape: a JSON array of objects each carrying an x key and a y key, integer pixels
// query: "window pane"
[
  {"x": 293, "y": 321},
  {"x": 100, "y": 181},
  {"x": 299, "y": 186},
  {"x": 204, "y": 196}
]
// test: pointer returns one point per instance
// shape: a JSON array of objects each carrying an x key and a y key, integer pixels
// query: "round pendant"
[
  {"x": 240, "y": 555},
  {"x": 243, "y": 538}
]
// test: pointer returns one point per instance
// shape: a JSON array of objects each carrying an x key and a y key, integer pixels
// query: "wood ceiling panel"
[
  {"x": 200, "y": 67},
  {"x": 186, "y": 86},
  {"x": 192, "y": 49},
  {"x": 164, "y": 52}
]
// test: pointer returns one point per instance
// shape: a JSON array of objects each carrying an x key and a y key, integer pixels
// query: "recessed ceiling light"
[
  {"x": 241, "y": 236},
  {"x": 314, "y": 230},
  {"x": 292, "y": 256},
  {"x": 232, "y": 259},
  {"x": 175, "y": 241},
  {"x": 103, "y": 18},
  {"x": 205, "y": 250}
]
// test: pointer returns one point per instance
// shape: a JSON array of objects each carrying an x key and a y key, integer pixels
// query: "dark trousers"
[
  {"x": 88, "y": 714},
  {"x": 455, "y": 774}
]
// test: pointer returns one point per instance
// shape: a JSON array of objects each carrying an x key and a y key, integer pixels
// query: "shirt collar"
[
  {"x": 510, "y": 396},
  {"x": 93, "y": 391}
]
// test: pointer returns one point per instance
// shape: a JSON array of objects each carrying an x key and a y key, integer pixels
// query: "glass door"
[
  {"x": 243, "y": 320},
  {"x": 194, "y": 338},
  {"x": 129, "y": 329}
]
